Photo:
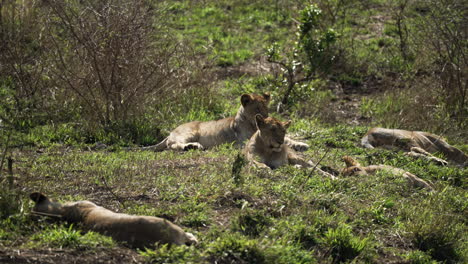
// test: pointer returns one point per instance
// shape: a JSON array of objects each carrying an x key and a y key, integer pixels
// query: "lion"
[
  {"x": 354, "y": 168},
  {"x": 268, "y": 144},
  {"x": 416, "y": 143},
  {"x": 237, "y": 129},
  {"x": 137, "y": 231}
]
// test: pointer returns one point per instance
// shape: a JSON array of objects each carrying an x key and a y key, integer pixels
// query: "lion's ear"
[
  {"x": 266, "y": 96},
  {"x": 246, "y": 99},
  {"x": 38, "y": 197},
  {"x": 287, "y": 124},
  {"x": 350, "y": 161},
  {"x": 260, "y": 120}
]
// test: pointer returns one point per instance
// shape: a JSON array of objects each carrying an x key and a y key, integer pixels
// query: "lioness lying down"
[
  {"x": 268, "y": 144},
  {"x": 417, "y": 143},
  {"x": 137, "y": 231},
  {"x": 354, "y": 168},
  {"x": 204, "y": 135}
]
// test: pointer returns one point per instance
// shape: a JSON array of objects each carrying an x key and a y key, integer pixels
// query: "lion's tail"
[{"x": 158, "y": 147}]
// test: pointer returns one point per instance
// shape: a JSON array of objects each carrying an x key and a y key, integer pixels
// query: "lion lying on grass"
[
  {"x": 204, "y": 135},
  {"x": 417, "y": 143},
  {"x": 137, "y": 231},
  {"x": 268, "y": 144},
  {"x": 354, "y": 168}
]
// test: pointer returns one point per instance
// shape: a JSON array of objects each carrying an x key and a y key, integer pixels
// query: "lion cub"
[
  {"x": 354, "y": 168},
  {"x": 268, "y": 144},
  {"x": 417, "y": 143},
  {"x": 137, "y": 231}
]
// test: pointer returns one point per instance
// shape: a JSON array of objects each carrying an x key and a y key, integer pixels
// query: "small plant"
[
  {"x": 233, "y": 248},
  {"x": 311, "y": 54},
  {"x": 419, "y": 257},
  {"x": 60, "y": 236},
  {"x": 251, "y": 222},
  {"x": 437, "y": 234},
  {"x": 237, "y": 166},
  {"x": 9, "y": 202},
  {"x": 170, "y": 254},
  {"x": 286, "y": 254},
  {"x": 343, "y": 244}
]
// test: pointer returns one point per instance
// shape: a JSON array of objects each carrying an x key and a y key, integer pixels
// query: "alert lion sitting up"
[
  {"x": 137, "y": 231},
  {"x": 239, "y": 128},
  {"x": 268, "y": 145}
]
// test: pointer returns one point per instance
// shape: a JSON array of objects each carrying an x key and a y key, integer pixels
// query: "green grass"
[
  {"x": 58, "y": 236},
  {"x": 271, "y": 216}
]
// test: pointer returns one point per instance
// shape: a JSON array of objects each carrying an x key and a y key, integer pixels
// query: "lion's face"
[
  {"x": 354, "y": 171},
  {"x": 272, "y": 131},
  {"x": 255, "y": 104}
]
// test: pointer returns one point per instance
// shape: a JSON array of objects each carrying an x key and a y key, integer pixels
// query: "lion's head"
[
  {"x": 272, "y": 131},
  {"x": 254, "y": 104},
  {"x": 352, "y": 167}
]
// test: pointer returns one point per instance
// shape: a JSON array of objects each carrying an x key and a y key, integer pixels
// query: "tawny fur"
[
  {"x": 268, "y": 145},
  {"x": 237, "y": 129},
  {"x": 354, "y": 168},
  {"x": 416, "y": 143},
  {"x": 136, "y": 231}
]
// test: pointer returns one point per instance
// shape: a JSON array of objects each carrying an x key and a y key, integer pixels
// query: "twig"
[
  {"x": 310, "y": 174},
  {"x": 45, "y": 214},
  {"x": 110, "y": 190},
  {"x": 10, "y": 172}
]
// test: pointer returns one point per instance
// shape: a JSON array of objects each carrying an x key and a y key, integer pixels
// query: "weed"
[
  {"x": 10, "y": 203},
  {"x": 343, "y": 244},
  {"x": 60, "y": 236},
  {"x": 251, "y": 222},
  {"x": 436, "y": 234},
  {"x": 237, "y": 166},
  {"x": 170, "y": 254},
  {"x": 233, "y": 248},
  {"x": 419, "y": 257}
]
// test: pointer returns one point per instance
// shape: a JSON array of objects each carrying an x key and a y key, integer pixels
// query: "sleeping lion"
[
  {"x": 354, "y": 168},
  {"x": 417, "y": 143},
  {"x": 136, "y": 231}
]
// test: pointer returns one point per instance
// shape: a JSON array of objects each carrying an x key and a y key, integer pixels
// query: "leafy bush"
[{"x": 312, "y": 53}]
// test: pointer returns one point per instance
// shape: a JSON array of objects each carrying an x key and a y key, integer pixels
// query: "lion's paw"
[
  {"x": 193, "y": 145},
  {"x": 299, "y": 146}
]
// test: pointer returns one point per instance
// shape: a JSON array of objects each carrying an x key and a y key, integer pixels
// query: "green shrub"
[
  {"x": 234, "y": 248},
  {"x": 438, "y": 234},
  {"x": 419, "y": 257},
  {"x": 59, "y": 236},
  {"x": 343, "y": 244},
  {"x": 251, "y": 222},
  {"x": 170, "y": 254},
  {"x": 10, "y": 202},
  {"x": 286, "y": 254}
]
